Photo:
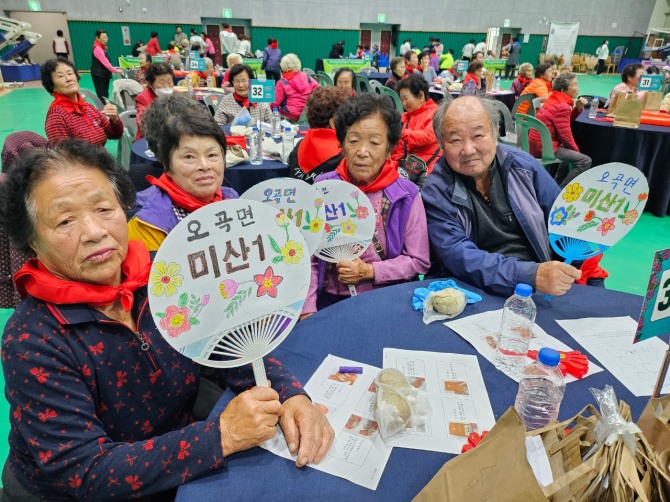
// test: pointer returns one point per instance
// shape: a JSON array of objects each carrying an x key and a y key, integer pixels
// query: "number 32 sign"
[
  {"x": 655, "y": 315},
  {"x": 262, "y": 91}
]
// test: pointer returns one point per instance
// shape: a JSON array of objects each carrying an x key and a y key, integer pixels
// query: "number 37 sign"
[
  {"x": 655, "y": 315},
  {"x": 262, "y": 91}
]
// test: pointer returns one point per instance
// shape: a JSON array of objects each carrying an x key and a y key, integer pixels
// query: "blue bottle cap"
[
  {"x": 549, "y": 357},
  {"x": 287, "y": 129},
  {"x": 522, "y": 289},
  {"x": 254, "y": 129},
  {"x": 274, "y": 110}
]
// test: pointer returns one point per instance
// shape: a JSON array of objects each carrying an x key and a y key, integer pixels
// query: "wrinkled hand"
[
  {"x": 355, "y": 271},
  {"x": 555, "y": 277},
  {"x": 579, "y": 104},
  {"x": 306, "y": 430},
  {"x": 111, "y": 112},
  {"x": 249, "y": 420}
]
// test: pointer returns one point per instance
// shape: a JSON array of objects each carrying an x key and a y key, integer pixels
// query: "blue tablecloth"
[
  {"x": 20, "y": 73},
  {"x": 646, "y": 147},
  {"x": 360, "y": 328}
]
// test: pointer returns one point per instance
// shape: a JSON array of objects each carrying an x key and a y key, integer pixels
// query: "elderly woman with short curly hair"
[
  {"x": 368, "y": 127},
  {"x": 293, "y": 89},
  {"x": 319, "y": 151}
]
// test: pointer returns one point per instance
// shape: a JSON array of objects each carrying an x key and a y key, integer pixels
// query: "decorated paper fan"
[
  {"x": 596, "y": 210},
  {"x": 228, "y": 284},
  {"x": 298, "y": 200},
  {"x": 350, "y": 222}
]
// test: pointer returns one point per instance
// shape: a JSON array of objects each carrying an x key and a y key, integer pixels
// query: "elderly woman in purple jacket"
[
  {"x": 271, "y": 60},
  {"x": 368, "y": 128}
]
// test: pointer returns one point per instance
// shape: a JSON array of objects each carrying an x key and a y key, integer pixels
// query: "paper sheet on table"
[
  {"x": 454, "y": 386},
  {"x": 481, "y": 331},
  {"x": 610, "y": 340},
  {"x": 359, "y": 453}
]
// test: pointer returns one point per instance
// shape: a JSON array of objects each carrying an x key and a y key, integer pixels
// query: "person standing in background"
[
  {"x": 179, "y": 38},
  {"x": 514, "y": 49},
  {"x": 196, "y": 39},
  {"x": 468, "y": 50},
  {"x": 135, "y": 52},
  {"x": 337, "y": 50},
  {"x": 481, "y": 46},
  {"x": 271, "y": 60},
  {"x": 209, "y": 45},
  {"x": 101, "y": 69},
  {"x": 406, "y": 46},
  {"x": 60, "y": 46},
  {"x": 153, "y": 47},
  {"x": 602, "y": 52},
  {"x": 228, "y": 40},
  {"x": 244, "y": 47}
]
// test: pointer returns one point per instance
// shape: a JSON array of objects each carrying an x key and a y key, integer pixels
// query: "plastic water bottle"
[
  {"x": 593, "y": 110},
  {"x": 210, "y": 81},
  {"x": 189, "y": 84},
  {"x": 275, "y": 122},
  {"x": 218, "y": 69},
  {"x": 286, "y": 144},
  {"x": 496, "y": 84},
  {"x": 181, "y": 66},
  {"x": 256, "y": 147},
  {"x": 541, "y": 390},
  {"x": 516, "y": 328}
]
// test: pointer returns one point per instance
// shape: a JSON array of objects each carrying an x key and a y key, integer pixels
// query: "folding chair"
[
  {"x": 510, "y": 137},
  {"x": 92, "y": 97},
  {"x": 524, "y": 124},
  {"x": 521, "y": 99},
  {"x": 363, "y": 84},
  {"x": 376, "y": 86}
]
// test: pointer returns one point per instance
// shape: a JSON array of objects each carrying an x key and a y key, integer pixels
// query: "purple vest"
[
  {"x": 401, "y": 194},
  {"x": 154, "y": 206}
]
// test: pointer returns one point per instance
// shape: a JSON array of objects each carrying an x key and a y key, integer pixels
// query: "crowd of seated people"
[{"x": 478, "y": 215}]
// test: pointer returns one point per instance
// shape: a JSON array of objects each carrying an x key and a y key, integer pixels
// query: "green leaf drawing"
[
  {"x": 193, "y": 321},
  {"x": 160, "y": 315},
  {"x": 332, "y": 234},
  {"x": 274, "y": 244},
  {"x": 306, "y": 227},
  {"x": 307, "y": 217},
  {"x": 351, "y": 208},
  {"x": 183, "y": 299},
  {"x": 586, "y": 226},
  {"x": 625, "y": 209},
  {"x": 236, "y": 302},
  {"x": 277, "y": 259}
]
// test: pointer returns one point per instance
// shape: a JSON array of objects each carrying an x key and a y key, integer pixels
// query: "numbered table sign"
[
  {"x": 461, "y": 66},
  {"x": 262, "y": 91},
  {"x": 299, "y": 201},
  {"x": 652, "y": 83},
  {"x": 350, "y": 221},
  {"x": 197, "y": 64},
  {"x": 655, "y": 315},
  {"x": 228, "y": 283},
  {"x": 598, "y": 207}
]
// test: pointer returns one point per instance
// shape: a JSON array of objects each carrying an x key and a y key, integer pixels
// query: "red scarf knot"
[{"x": 387, "y": 175}]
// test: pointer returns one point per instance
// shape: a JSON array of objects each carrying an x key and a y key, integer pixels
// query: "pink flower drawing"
[{"x": 267, "y": 283}]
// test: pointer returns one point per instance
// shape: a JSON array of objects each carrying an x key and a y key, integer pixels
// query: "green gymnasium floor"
[{"x": 629, "y": 262}]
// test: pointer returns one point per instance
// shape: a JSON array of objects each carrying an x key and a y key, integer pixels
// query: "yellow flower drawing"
[
  {"x": 572, "y": 192},
  {"x": 316, "y": 225},
  {"x": 292, "y": 253},
  {"x": 349, "y": 227},
  {"x": 165, "y": 280}
]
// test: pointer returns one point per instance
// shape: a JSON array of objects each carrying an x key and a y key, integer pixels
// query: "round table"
[
  {"x": 359, "y": 328},
  {"x": 646, "y": 147}
]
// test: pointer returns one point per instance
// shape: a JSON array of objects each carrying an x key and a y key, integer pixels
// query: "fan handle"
[
  {"x": 259, "y": 372},
  {"x": 352, "y": 290}
]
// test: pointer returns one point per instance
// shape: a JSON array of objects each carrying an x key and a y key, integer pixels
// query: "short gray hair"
[
  {"x": 233, "y": 58},
  {"x": 523, "y": 67},
  {"x": 562, "y": 82},
  {"x": 290, "y": 62},
  {"x": 487, "y": 105}
]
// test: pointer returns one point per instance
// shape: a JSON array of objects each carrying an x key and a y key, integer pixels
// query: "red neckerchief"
[
  {"x": 524, "y": 81},
  {"x": 35, "y": 280},
  {"x": 229, "y": 30},
  {"x": 471, "y": 76},
  {"x": 274, "y": 45},
  {"x": 243, "y": 101},
  {"x": 288, "y": 75},
  {"x": 559, "y": 97},
  {"x": 97, "y": 43},
  {"x": 388, "y": 175},
  {"x": 548, "y": 84},
  {"x": 180, "y": 196},
  {"x": 71, "y": 105},
  {"x": 317, "y": 146}
]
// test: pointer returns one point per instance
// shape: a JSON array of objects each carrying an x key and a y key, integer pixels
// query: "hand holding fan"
[
  {"x": 299, "y": 201},
  {"x": 350, "y": 223},
  {"x": 596, "y": 210},
  {"x": 228, "y": 284}
]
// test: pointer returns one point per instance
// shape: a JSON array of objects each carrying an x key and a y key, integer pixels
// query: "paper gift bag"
[
  {"x": 490, "y": 79},
  {"x": 652, "y": 101},
  {"x": 654, "y": 423},
  {"x": 495, "y": 471},
  {"x": 628, "y": 111}
]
